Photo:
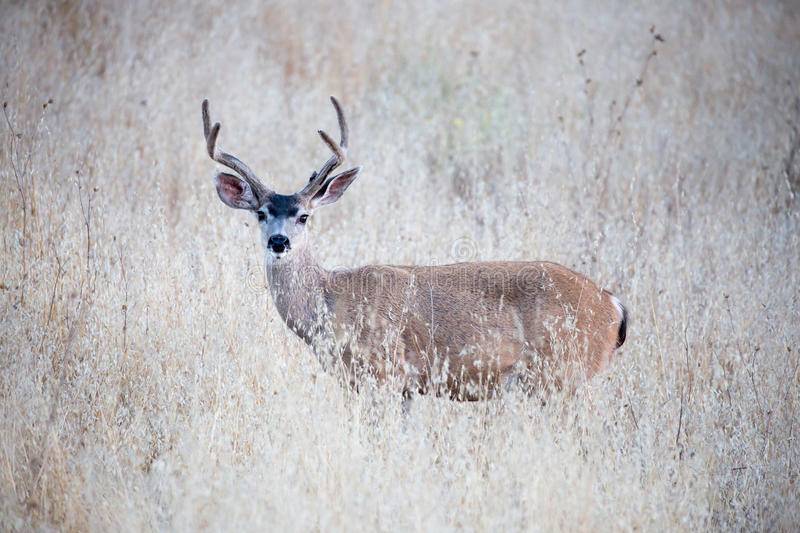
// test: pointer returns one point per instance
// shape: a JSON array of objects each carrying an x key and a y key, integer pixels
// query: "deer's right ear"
[{"x": 235, "y": 192}]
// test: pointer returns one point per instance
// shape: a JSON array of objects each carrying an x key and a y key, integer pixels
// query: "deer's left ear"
[{"x": 333, "y": 189}]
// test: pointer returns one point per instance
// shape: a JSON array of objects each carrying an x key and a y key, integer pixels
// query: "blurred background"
[{"x": 146, "y": 382}]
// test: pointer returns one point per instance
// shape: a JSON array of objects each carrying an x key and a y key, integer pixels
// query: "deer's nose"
[{"x": 278, "y": 243}]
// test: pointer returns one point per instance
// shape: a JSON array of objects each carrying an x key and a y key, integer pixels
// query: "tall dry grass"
[{"x": 147, "y": 383}]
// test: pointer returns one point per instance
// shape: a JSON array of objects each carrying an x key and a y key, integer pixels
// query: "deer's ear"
[
  {"x": 335, "y": 187},
  {"x": 235, "y": 192}
]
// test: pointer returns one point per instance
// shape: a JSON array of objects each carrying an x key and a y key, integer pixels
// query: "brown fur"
[{"x": 463, "y": 330}]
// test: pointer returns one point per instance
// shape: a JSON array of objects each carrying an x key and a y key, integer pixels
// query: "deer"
[{"x": 467, "y": 331}]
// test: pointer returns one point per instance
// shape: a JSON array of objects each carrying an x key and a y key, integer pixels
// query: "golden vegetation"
[{"x": 147, "y": 383}]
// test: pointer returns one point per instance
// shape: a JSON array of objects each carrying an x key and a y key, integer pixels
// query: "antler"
[
  {"x": 230, "y": 161},
  {"x": 339, "y": 152}
]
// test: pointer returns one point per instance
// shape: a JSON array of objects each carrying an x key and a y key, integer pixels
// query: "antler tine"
[
  {"x": 339, "y": 152},
  {"x": 230, "y": 161},
  {"x": 342, "y": 122}
]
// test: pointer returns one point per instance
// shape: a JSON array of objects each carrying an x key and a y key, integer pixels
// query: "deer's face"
[{"x": 282, "y": 220}]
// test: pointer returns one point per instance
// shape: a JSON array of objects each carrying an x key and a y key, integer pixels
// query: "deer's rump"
[{"x": 467, "y": 328}]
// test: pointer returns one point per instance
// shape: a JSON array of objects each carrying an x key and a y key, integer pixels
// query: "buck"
[{"x": 465, "y": 330}]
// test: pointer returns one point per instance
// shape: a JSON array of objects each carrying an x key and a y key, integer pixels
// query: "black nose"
[{"x": 278, "y": 243}]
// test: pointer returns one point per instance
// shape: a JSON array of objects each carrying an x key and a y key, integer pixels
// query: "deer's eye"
[
  {"x": 261, "y": 216},
  {"x": 302, "y": 219}
]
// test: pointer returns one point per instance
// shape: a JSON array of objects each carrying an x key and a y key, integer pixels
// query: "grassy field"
[{"x": 147, "y": 383}]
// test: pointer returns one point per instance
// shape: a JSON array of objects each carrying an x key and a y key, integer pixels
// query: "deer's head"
[{"x": 282, "y": 218}]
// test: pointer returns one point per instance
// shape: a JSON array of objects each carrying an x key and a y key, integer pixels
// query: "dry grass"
[{"x": 146, "y": 382}]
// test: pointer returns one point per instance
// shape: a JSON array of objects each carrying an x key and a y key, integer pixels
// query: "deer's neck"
[{"x": 297, "y": 284}]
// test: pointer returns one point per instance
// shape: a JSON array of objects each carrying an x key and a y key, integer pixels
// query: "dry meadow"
[{"x": 147, "y": 383}]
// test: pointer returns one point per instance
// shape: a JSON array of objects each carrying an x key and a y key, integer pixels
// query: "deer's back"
[{"x": 478, "y": 319}]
